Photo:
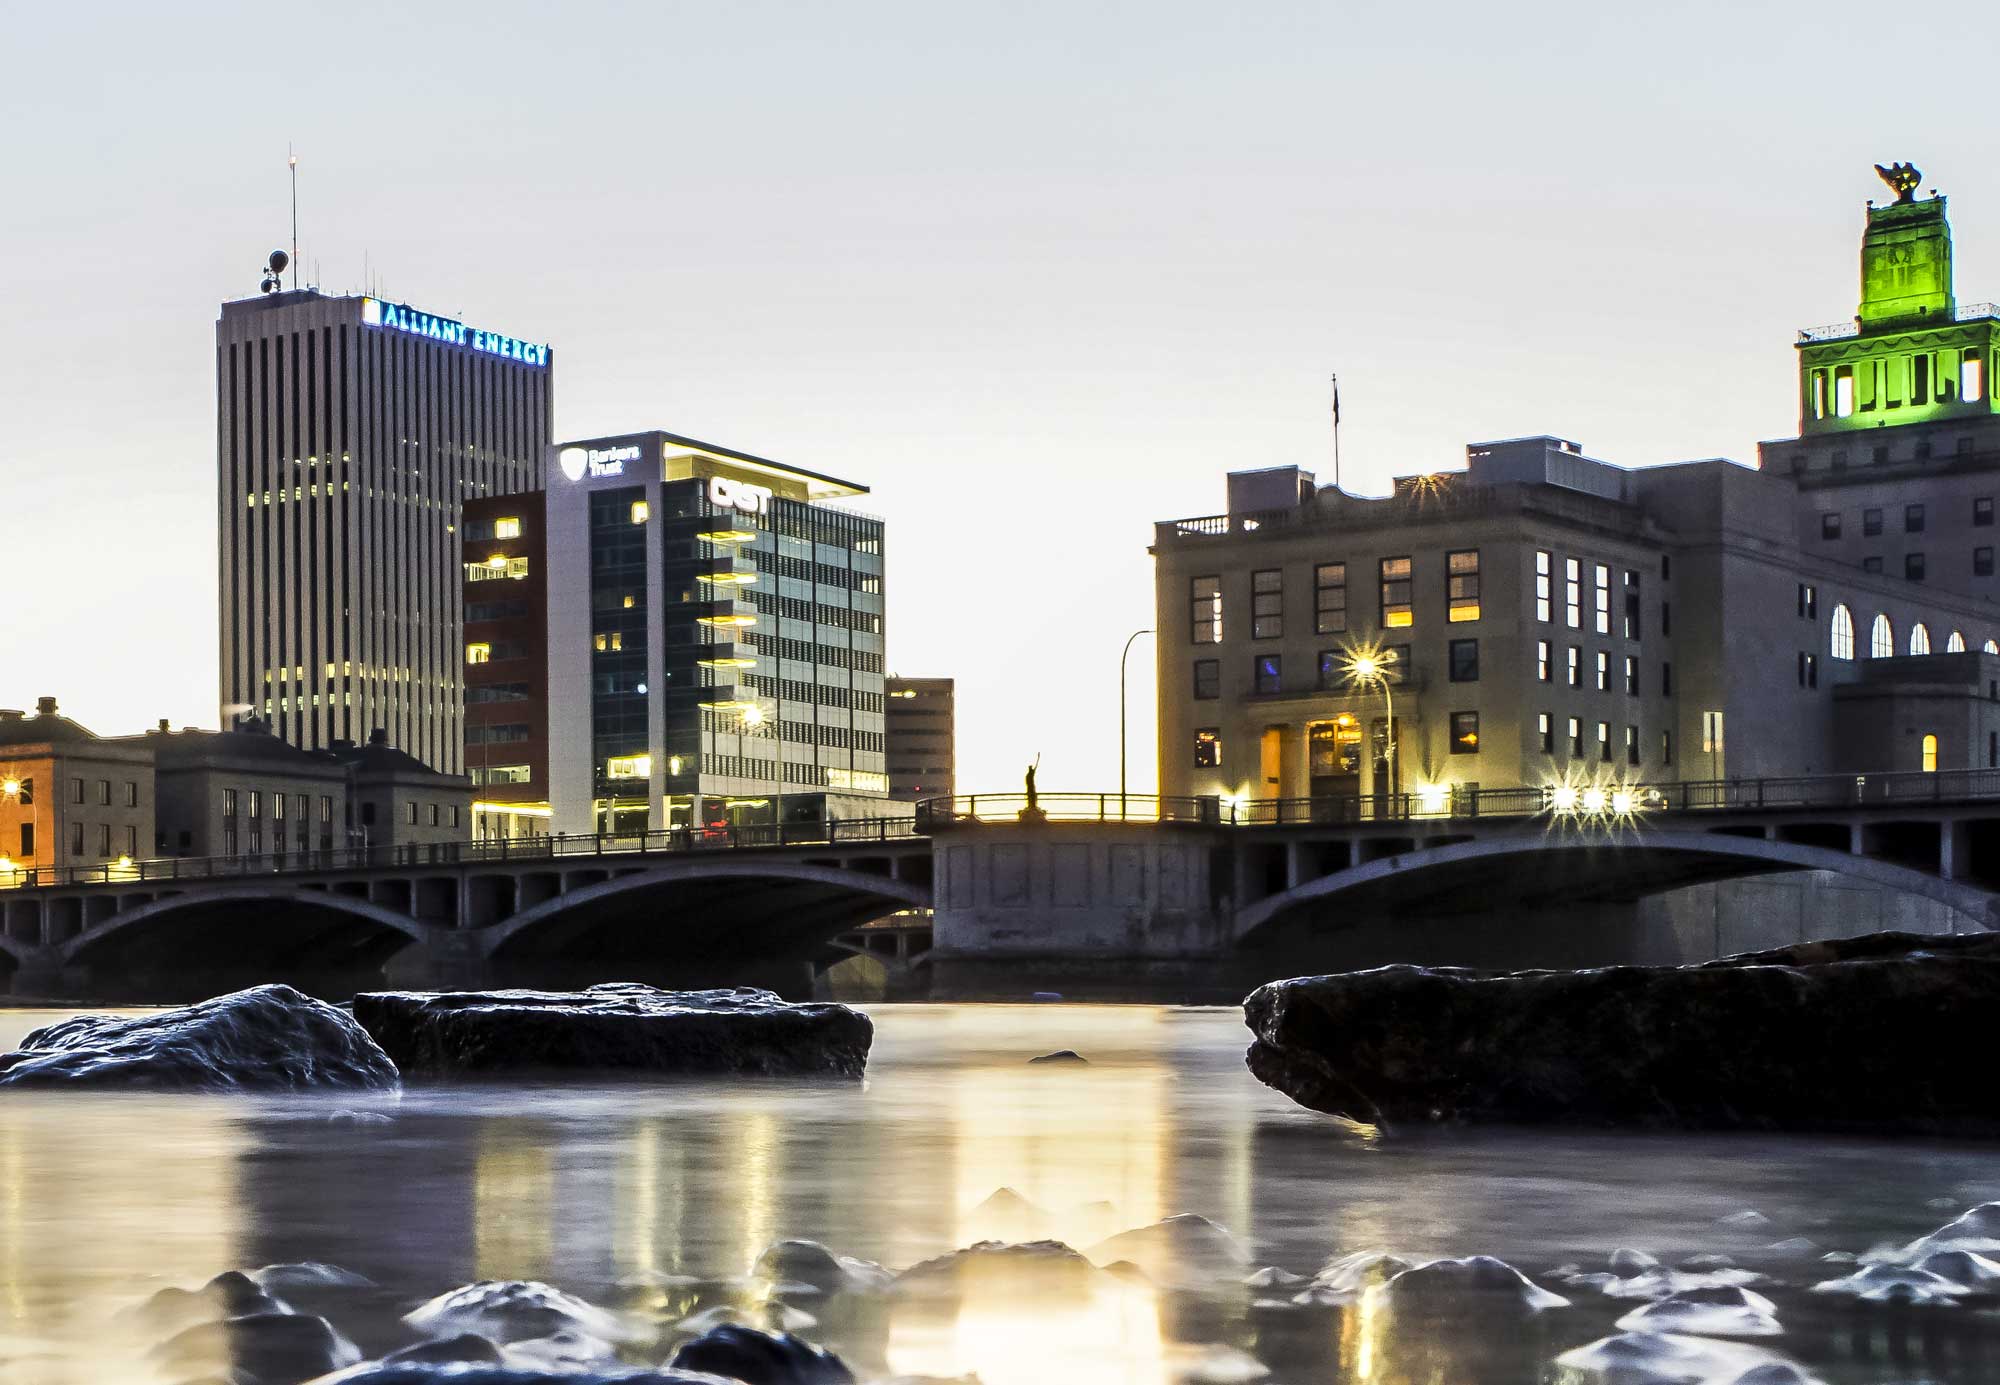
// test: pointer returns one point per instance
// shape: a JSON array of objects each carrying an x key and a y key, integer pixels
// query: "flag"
[{"x": 1336, "y": 401}]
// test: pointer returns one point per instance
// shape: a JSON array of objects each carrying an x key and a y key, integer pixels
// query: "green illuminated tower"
[{"x": 1911, "y": 355}]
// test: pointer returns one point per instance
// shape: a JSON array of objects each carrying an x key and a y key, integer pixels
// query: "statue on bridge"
[{"x": 1033, "y": 812}]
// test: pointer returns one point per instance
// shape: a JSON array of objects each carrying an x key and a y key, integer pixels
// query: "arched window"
[
  {"x": 1930, "y": 754},
  {"x": 1843, "y": 633},
  {"x": 1920, "y": 638},
  {"x": 1881, "y": 639},
  {"x": 1956, "y": 644},
  {"x": 1992, "y": 648}
]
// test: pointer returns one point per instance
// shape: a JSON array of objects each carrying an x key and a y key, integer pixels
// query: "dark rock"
[
  {"x": 1186, "y": 1249},
  {"x": 386, "y": 1372},
  {"x": 1894, "y": 1284},
  {"x": 1887, "y": 1035},
  {"x": 518, "y": 1310},
  {"x": 1065, "y": 1055},
  {"x": 268, "y": 1038},
  {"x": 1478, "y": 1283},
  {"x": 621, "y": 1028},
  {"x": 1653, "y": 1358},
  {"x": 1030, "y": 1267},
  {"x": 265, "y": 1348},
  {"x": 467, "y": 1347},
  {"x": 231, "y": 1294},
  {"x": 1715, "y": 1312},
  {"x": 810, "y": 1265},
  {"x": 756, "y": 1358}
]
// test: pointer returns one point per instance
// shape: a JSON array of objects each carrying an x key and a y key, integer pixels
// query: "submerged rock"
[
  {"x": 1884, "y": 1033},
  {"x": 757, "y": 1358},
  {"x": 1894, "y": 1284},
  {"x": 413, "y": 1372},
  {"x": 260, "y": 1349},
  {"x": 231, "y": 1294},
  {"x": 1654, "y": 1358},
  {"x": 621, "y": 1027},
  {"x": 1062, "y": 1055},
  {"x": 1717, "y": 1312},
  {"x": 519, "y": 1310},
  {"x": 1477, "y": 1283},
  {"x": 1186, "y": 1249},
  {"x": 1663, "y": 1281},
  {"x": 810, "y": 1265},
  {"x": 1975, "y": 1230},
  {"x": 268, "y": 1038},
  {"x": 1028, "y": 1267},
  {"x": 467, "y": 1347},
  {"x": 1967, "y": 1267},
  {"x": 1346, "y": 1277}
]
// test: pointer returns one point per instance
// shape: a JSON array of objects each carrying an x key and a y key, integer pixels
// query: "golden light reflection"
[
  {"x": 513, "y": 1201},
  {"x": 755, "y": 1138}
]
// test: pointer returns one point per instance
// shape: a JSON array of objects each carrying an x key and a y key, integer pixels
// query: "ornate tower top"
[{"x": 1905, "y": 256}]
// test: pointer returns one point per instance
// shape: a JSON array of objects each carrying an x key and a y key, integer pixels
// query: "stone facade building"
[{"x": 69, "y": 797}]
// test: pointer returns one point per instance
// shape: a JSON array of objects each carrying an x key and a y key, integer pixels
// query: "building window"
[
  {"x": 1631, "y": 604},
  {"x": 278, "y": 808},
  {"x": 1808, "y": 601},
  {"x": 497, "y": 568},
  {"x": 1871, "y": 564},
  {"x": 1954, "y": 643},
  {"x": 1881, "y": 639},
  {"x": 1829, "y": 525},
  {"x": 1205, "y": 610},
  {"x": 1842, "y": 643},
  {"x": 1930, "y": 754},
  {"x": 1464, "y": 666},
  {"x": 1913, "y": 566},
  {"x": 1267, "y": 604},
  {"x": 1266, "y": 669},
  {"x": 1465, "y": 733},
  {"x": 76, "y": 839},
  {"x": 229, "y": 803},
  {"x": 131, "y": 841},
  {"x": 27, "y": 841},
  {"x": 641, "y": 512},
  {"x": 1982, "y": 512},
  {"x": 368, "y": 815},
  {"x": 1666, "y": 679},
  {"x": 622, "y": 767},
  {"x": 1207, "y": 679},
  {"x": 1396, "y": 587},
  {"x": 1871, "y": 523},
  {"x": 103, "y": 839},
  {"x": 76, "y": 790},
  {"x": 325, "y": 810},
  {"x": 410, "y": 814},
  {"x": 1603, "y": 670},
  {"x": 1545, "y": 727},
  {"x": 256, "y": 804},
  {"x": 1982, "y": 562},
  {"x": 454, "y": 815},
  {"x": 1330, "y": 598},
  {"x": 1544, "y": 585},
  {"x": 1920, "y": 638},
  {"x": 1208, "y": 748},
  {"x": 1332, "y": 669},
  {"x": 1666, "y": 617},
  {"x": 1913, "y": 519},
  {"x": 1808, "y": 670},
  {"x": 1632, "y": 746},
  {"x": 1601, "y": 597},
  {"x": 1666, "y": 747},
  {"x": 479, "y": 653},
  {"x": 1573, "y": 593},
  {"x": 131, "y": 793},
  {"x": 1604, "y": 741},
  {"x": 434, "y": 815},
  {"x": 608, "y": 642},
  {"x": 1631, "y": 675},
  {"x": 1462, "y": 586},
  {"x": 1543, "y": 673},
  {"x": 1575, "y": 666},
  {"x": 507, "y": 527},
  {"x": 1576, "y": 738},
  {"x": 104, "y": 793}
]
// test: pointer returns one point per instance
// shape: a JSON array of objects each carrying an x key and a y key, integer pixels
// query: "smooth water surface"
[{"x": 643, "y": 1196}]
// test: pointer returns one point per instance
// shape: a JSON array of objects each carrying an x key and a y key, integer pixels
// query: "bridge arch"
[
  {"x": 262, "y": 925},
  {"x": 765, "y": 906},
  {"x": 1691, "y": 857}
]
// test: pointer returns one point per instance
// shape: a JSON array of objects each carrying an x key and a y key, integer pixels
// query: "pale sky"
[{"x": 1040, "y": 274}]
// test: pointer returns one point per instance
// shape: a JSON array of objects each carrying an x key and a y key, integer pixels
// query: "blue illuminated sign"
[{"x": 376, "y": 313}]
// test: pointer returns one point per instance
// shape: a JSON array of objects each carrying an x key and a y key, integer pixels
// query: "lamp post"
[
  {"x": 1373, "y": 667},
  {"x": 20, "y": 790},
  {"x": 1122, "y": 657}
]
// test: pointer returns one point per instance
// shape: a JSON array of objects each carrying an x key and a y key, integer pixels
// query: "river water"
[{"x": 654, "y": 1198}]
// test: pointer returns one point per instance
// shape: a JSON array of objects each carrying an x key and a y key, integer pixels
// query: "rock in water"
[
  {"x": 755, "y": 1358},
  {"x": 620, "y": 1027},
  {"x": 1478, "y": 1283},
  {"x": 518, "y": 1310},
  {"x": 1062, "y": 1055},
  {"x": 1853, "y": 1036},
  {"x": 1183, "y": 1250},
  {"x": 412, "y": 1372},
  {"x": 268, "y": 1038},
  {"x": 265, "y": 1348}
]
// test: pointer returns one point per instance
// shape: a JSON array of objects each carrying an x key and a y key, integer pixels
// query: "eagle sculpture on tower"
[{"x": 1903, "y": 178}]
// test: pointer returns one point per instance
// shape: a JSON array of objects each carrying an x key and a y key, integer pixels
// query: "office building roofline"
[{"x": 819, "y": 485}]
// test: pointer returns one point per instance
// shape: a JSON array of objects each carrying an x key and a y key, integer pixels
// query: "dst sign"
[
  {"x": 397, "y": 317},
  {"x": 730, "y": 494}
]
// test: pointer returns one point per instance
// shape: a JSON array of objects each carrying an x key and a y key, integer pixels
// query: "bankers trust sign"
[{"x": 395, "y": 316}]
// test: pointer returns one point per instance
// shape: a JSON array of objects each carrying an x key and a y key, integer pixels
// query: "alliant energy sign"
[{"x": 397, "y": 317}]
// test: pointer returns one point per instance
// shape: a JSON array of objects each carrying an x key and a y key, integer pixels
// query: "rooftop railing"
[{"x": 1839, "y": 331}]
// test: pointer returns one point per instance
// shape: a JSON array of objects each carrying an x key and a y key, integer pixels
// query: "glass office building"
[{"x": 715, "y": 640}]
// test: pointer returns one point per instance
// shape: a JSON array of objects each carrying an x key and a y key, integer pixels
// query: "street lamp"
[
  {"x": 1123, "y": 655},
  {"x": 1371, "y": 666},
  {"x": 23, "y": 792}
]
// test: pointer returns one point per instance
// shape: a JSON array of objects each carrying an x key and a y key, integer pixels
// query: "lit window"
[
  {"x": 1462, "y": 586},
  {"x": 1604, "y": 741},
  {"x": 481, "y": 653},
  {"x": 1920, "y": 638},
  {"x": 1545, "y": 726},
  {"x": 1954, "y": 643},
  {"x": 641, "y": 512},
  {"x": 507, "y": 528},
  {"x": 1632, "y": 745},
  {"x": 1576, "y": 738},
  {"x": 1843, "y": 391},
  {"x": 1972, "y": 375},
  {"x": 1603, "y": 671},
  {"x": 628, "y": 767},
  {"x": 1881, "y": 639},
  {"x": 1396, "y": 588},
  {"x": 1808, "y": 601},
  {"x": 1205, "y": 610},
  {"x": 1573, "y": 592},
  {"x": 1207, "y": 748},
  {"x": 1465, "y": 733},
  {"x": 1930, "y": 754},
  {"x": 1575, "y": 667},
  {"x": 497, "y": 568},
  {"x": 1544, "y": 584},
  {"x": 1268, "y": 672},
  {"x": 1990, "y": 647},
  {"x": 1542, "y": 671},
  {"x": 1602, "y": 597},
  {"x": 1330, "y": 598},
  {"x": 608, "y": 643}
]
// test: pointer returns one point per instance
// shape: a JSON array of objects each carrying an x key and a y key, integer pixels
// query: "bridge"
[{"x": 1132, "y": 884}]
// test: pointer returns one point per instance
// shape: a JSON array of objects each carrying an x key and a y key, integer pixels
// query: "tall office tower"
[
  {"x": 350, "y": 431},
  {"x": 918, "y": 724}
]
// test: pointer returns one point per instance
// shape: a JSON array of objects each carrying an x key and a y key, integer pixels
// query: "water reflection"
[{"x": 659, "y": 1200}]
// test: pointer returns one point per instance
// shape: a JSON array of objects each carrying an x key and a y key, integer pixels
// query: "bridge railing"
[
  {"x": 854, "y": 832},
  {"x": 935, "y": 813}
]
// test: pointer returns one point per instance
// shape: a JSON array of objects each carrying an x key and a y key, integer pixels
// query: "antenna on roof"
[{"x": 293, "y": 159}]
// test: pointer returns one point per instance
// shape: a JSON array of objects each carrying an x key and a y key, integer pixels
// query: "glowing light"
[
  {"x": 10, "y": 787},
  {"x": 1593, "y": 800},
  {"x": 1432, "y": 798},
  {"x": 1622, "y": 802},
  {"x": 1563, "y": 798},
  {"x": 753, "y": 715}
]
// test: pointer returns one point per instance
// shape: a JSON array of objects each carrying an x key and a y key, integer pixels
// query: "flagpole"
[{"x": 1336, "y": 432}]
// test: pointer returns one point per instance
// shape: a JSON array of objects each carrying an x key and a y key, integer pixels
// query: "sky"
[{"x": 1039, "y": 274}]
